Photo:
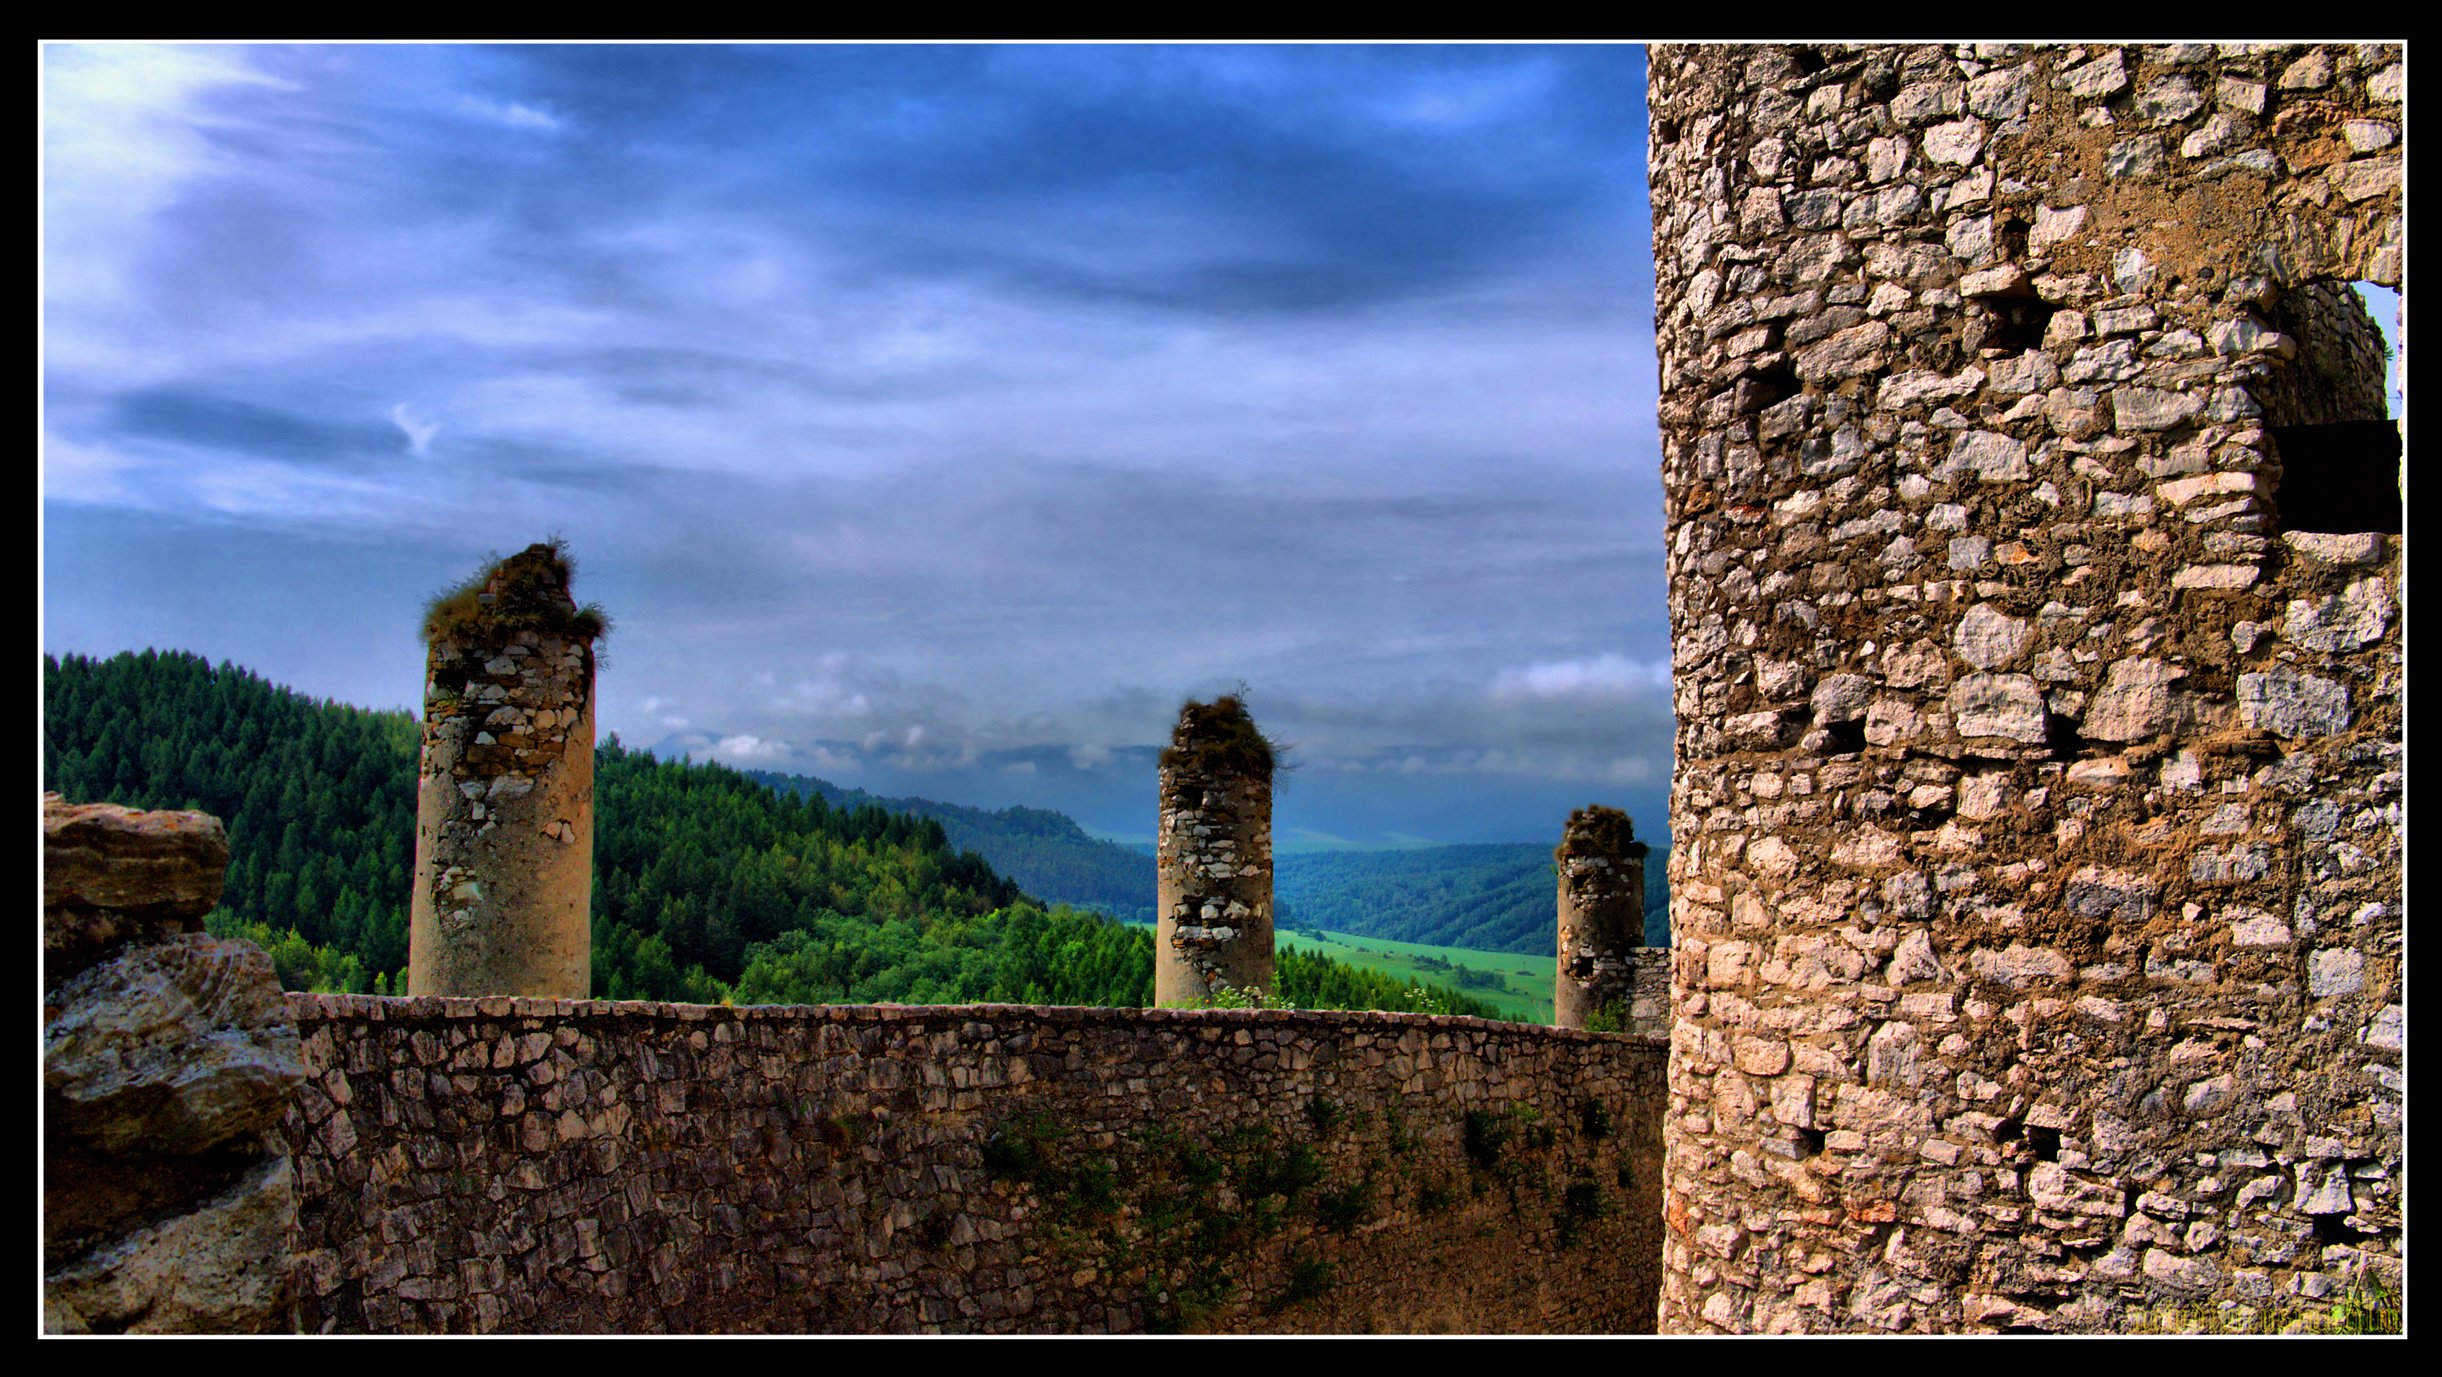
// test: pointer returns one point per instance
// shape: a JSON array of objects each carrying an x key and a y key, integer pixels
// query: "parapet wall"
[
  {"x": 2036, "y": 869},
  {"x": 526, "y": 1165}
]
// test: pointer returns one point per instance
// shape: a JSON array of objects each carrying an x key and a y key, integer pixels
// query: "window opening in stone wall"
[{"x": 2327, "y": 406}]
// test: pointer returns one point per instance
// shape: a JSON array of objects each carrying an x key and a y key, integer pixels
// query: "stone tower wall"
[
  {"x": 1601, "y": 869},
  {"x": 504, "y": 801},
  {"x": 1213, "y": 859},
  {"x": 2035, "y": 865}
]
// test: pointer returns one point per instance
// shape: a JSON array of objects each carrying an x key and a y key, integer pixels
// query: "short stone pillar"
[
  {"x": 1214, "y": 856},
  {"x": 168, "y": 1058},
  {"x": 504, "y": 843},
  {"x": 1602, "y": 918}
]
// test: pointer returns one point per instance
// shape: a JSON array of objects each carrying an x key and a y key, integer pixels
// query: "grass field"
[{"x": 1524, "y": 991}]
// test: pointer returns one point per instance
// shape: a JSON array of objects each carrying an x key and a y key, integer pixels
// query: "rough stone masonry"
[
  {"x": 2036, "y": 828},
  {"x": 550, "y": 1166},
  {"x": 1213, "y": 857},
  {"x": 504, "y": 797},
  {"x": 1601, "y": 872}
]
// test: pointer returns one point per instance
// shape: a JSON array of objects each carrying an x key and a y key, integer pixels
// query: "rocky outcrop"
[{"x": 167, "y": 1055}]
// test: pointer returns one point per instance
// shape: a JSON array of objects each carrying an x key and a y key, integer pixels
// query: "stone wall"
[
  {"x": 531, "y": 1165},
  {"x": 167, "y": 1054},
  {"x": 503, "y": 885},
  {"x": 1213, "y": 857},
  {"x": 2035, "y": 874}
]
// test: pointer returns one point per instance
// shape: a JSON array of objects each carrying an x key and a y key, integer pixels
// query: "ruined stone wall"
[
  {"x": 534, "y": 1165},
  {"x": 1601, "y": 872},
  {"x": 1649, "y": 1013},
  {"x": 167, "y": 1055},
  {"x": 2035, "y": 874},
  {"x": 504, "y": 797},
  {"x": 1213, "y": 858}
]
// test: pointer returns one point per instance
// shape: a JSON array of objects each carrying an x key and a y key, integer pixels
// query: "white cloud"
[
  {"x": 747, "y": 750},
  {"x": 419, "y": 432},
  {"x": 514, "y": 114},
  {"x": 1605, "y": 676}
]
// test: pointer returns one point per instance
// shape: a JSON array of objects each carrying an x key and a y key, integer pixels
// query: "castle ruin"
[
  {"x": 2035, "y": 865},
  {"x": 1601, "y": 869},
  {"x": 504, "y": 802},
  {"x": 1214, "y": 857}
]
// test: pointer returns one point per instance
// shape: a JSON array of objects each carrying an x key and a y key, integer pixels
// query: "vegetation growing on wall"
[
  {"x": 1220, "y": 737},
  {"x": 527, "y": 591}
]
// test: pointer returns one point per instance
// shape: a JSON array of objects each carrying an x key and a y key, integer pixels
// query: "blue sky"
[{"x": 931, "y": 419}]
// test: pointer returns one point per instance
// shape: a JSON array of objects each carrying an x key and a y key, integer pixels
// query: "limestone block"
[
  {"x": 2004, "y": 705},
  {"x": 2293, "y": 705},
  {"x": 170, "y": 1047},
  {"x": 222, "y": 1269},
  {"x": 2134, "y": 703},
  {"x": 109, "y": 873},
  {"x": 1989, "y": 638}
]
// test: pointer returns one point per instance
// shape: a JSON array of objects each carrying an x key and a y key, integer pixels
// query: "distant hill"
[
  {"x": 1495, "y": 896},
  {"x": 1046, "y": 853}
]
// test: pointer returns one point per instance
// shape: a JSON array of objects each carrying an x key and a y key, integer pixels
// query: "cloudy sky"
[{"x": 932, "y": 419}]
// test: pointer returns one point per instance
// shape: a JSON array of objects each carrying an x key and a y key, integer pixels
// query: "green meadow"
[{"x": 1520, "y": 986}]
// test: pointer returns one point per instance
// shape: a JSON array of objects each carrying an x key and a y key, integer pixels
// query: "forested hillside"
[
  {"x": 707, "y": 885},
  {"x": 1044, "y": 852},
  {"x": 1493, "y": 896}
]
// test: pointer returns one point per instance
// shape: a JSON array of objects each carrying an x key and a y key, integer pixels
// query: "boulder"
[
  {"x": 170, "y": 1047},
  {"x": 112, "y": 874},
  {"x": 221, "y": 1269}
]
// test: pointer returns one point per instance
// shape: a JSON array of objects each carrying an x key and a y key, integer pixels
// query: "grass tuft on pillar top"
[
  {"x": 1220, "y": 738},
  {"x": 527, "y": 591},
  {"x": 1598, "y": 831}
]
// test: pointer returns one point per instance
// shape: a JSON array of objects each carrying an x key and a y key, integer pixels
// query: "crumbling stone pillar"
[
  {"x": 168, "y": 1057},
  {"x": 1214, "y": 856},
  {"x": 1602, "y": 918},
  {"x": 504, "y": 802},
  {"x": 2035, "y": 875}
]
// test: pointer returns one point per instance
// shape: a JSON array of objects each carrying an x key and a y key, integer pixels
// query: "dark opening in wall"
[
  {"x": 1809, "y": 60},
  {"x": 2015, "y": 324},
  {"x": 2010, "y": 233},
  {"x": 2334, "y": 1228},
  {"x": 1811, "y": 1139},
  {"x": 2044, "y": 1143},
  {"x": 2340, "y": 477},
  {"x": 1765, "y": 386}
]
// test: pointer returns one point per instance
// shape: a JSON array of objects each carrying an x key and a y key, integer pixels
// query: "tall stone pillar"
[
  {"x": 504, "y": 802},
  {"x": 1214, "y": 856},
  {"x": 1602, "y": 917}
]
